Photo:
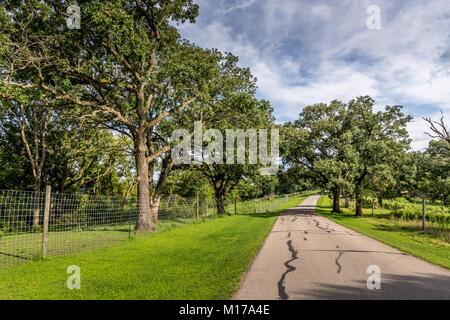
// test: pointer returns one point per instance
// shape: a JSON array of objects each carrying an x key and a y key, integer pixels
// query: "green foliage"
[
  {"x": 403, "y": 235},
  {"x": 347, "y": 148},
  {"x": 437, "y": 215}
]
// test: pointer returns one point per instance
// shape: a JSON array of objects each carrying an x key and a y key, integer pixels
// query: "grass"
[
  {"x": 25, "y": 246},
  {"x": 198, "y": 261},
  {"x": 403, "y": 235},
  {"x": 22, "y": 247}
]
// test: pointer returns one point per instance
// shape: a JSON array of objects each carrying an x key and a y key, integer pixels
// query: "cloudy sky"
[{"x": 304, "y": 52}]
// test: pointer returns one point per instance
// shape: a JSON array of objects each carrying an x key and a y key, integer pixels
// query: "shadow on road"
[{"x": 399, "y": 287}]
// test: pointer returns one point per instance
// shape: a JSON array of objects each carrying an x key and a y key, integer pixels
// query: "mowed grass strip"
[
  {"x": 200, "y": 261},
  {"x": 405, "y": 236}
]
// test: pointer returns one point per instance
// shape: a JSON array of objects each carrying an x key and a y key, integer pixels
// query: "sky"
[{"x": 306, "y": 52}]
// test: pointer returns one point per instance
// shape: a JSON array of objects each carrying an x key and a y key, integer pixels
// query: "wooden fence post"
[
  {"x": 48, "y": 194},
  {"x": 373, "y": 206}
]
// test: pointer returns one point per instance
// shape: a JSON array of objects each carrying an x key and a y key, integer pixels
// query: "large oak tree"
[{"x": 126, "y": 68}]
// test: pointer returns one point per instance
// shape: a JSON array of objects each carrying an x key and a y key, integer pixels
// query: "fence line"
[{"x": 80, "y": 222}]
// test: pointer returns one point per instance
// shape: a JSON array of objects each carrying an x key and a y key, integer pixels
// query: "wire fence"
[{"x": 36, "y": 224}]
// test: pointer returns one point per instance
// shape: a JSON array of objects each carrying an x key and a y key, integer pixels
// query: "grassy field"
[
  {"x": 403, "y": 235},
  {"x": 198, "y": 261},
  {"x": 25, "y": 246}
]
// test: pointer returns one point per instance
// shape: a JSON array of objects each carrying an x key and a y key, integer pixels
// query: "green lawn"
[
  {"x": 23, "y": 247},
  {"x": 197, "y": 261},
  {"x": 405, "y": 236}
]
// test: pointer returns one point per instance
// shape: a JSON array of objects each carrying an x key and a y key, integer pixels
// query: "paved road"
[{"x": 307, "y": 256}]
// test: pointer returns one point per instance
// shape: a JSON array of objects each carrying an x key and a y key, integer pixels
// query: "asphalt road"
[{"x": 307, "y": 256}]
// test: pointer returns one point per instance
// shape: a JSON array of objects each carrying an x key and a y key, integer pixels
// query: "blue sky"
[{"x": 304, "y": 52}]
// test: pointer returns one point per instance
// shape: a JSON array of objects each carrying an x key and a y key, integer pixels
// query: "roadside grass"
[
  {"x": 403, "y": 235},
  {"x": 205, "y": 260}
]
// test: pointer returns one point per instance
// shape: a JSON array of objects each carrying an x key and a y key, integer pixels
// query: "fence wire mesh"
[{"x": 79, "y": 222}]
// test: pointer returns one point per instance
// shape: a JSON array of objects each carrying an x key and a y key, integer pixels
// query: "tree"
[
  {"x": 316, "y": 144},
  {"x": 248, "y": 115},
  {"x": 377, "y": 145},
  {"x": 432, "y": 169},
  {"x": 125, "y": 68},
  {"x": 33, "y": 124},
  {"x": 290, "y": 181},
  {"x": 439, "y": 131},
  {"x": 348, "y": 147}
]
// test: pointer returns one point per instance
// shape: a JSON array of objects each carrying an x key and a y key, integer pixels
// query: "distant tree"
[
  {"x": 316, "y": 146},
  {"x": 33, "y": 123},
  {"x": 432, "y": 172},
  {"x": 290, "y": 180},
  {"x": 347, "y": 147},
  {"x": 377, "y": 145}
]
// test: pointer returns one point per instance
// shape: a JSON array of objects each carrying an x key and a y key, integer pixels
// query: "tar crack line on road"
[
  {"x": 337, "y": 262},
  {"x": 281, "y": 288}
]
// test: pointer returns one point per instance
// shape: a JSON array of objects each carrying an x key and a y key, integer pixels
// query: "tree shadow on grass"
[
  {"x": 264, "y": 215},
  {"x": 429, "y": 231},
  {"x": 14, "y": 256}
]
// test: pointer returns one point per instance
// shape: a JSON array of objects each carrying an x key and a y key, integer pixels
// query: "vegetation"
[
  {"x": 406, "y": 236},
  {"x": 437, "y": 216},
  {"x": 347, "y": 147},
  {"x": 97, "y": 110},
  {"x": 198, "y": 261}
]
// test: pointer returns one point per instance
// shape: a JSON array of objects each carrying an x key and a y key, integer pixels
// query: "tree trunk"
[
  {"x": 336, "y": 198},
  {"x": 167, "y": 165},
  {"x": 380, "y": 201},
  {"x": 220, "y": 199},
  {"x": 37, "y": 208},
  {"x": 154, "y": 208},
  {"x": 145, "y": 214},
  {"x": 358, "y": 201},
  {"x": 347, "y": 202}
]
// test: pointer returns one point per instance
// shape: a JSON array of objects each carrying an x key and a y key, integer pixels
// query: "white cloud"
[
  {"x": 239, "y": 5},
  {"x": 306, "y": 52},
  {"x": 322, "y": 11}
]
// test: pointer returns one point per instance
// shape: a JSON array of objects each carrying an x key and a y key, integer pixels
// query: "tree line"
[
  {"x": 92, "y": 110},
  {"x": 356, "y": 152}
]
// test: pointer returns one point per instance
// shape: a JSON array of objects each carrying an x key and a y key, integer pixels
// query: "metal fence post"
[
  {"x": 235, "y": 206},
  {"x": 129, "y": 223},
  {"x": 423, "y": 213},
  {"x": 48, "y": 194},
  {"x": 197, "y": 208}
]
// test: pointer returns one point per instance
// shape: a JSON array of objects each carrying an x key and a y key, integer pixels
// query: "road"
[{"x": 307, "y": 256}]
